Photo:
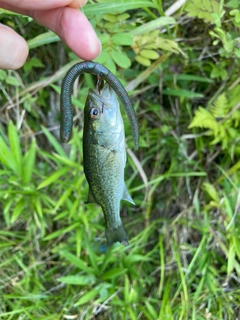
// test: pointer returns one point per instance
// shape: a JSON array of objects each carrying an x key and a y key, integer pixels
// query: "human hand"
[{"x": 61, "y": 16}]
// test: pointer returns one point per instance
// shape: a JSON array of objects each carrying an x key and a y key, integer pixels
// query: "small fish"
[{"x": 104, "y": 156}]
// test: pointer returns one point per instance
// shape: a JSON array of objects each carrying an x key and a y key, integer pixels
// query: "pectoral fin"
[
  {"x": 126, "y": 196},
  {"x": 91, "y": 198}
]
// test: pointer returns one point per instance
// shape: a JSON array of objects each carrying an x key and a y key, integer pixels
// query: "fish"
[{"x": 104, "y": 159}]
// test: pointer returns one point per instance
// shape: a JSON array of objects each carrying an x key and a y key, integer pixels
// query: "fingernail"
[
  {"x": 95, "y": 48},
  {"x": 77, "y": 3}
]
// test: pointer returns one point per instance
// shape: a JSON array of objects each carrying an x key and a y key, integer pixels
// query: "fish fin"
[
  {"x": 126, "y": 196},
  {"x": 91, "y": 198},
  {"x": 116, "y": 235}
]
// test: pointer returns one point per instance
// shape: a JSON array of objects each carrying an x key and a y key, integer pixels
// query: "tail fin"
[{"x": 116, "y": 235}]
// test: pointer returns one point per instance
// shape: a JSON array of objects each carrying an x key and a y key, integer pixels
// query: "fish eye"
[{"x": 94, "y": 112}]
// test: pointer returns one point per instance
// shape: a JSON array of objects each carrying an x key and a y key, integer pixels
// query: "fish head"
[{"x": 102, "y": 110}]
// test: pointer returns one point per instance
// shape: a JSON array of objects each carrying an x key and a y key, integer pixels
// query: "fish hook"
[{"x": 98, "y": 83}]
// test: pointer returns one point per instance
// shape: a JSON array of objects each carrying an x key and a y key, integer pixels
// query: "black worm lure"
[{"x": 102, "y": 73}]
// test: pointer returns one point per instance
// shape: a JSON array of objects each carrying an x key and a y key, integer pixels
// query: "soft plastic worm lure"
[{"x": 102, "y": 73}]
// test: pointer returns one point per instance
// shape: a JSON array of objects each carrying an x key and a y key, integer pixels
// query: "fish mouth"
[{"x": 106, "y": 95}]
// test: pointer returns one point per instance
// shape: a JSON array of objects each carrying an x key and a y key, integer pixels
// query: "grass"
[
  {"x": 55, "y": 265},
  {"x": 183, "y": 258}
]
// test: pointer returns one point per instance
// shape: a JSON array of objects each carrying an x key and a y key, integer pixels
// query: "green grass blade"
[
  {"x": 6, "y": 156},
  {"x": 56, "y": 145},
  {"x": 19, "y": 208},
  {"x": 87, "y": 297},
  {"x": 231, "y": 259},
  {"x": 29, "y": 162},
  {"x": 113, "y": 273},
  {"x": 186, "y": 77},
  {"x": 182, "y": 93},
  {"x": 43, "y": 39},
  {"x": 151, "y": 310},
  {"x": 117, "y": 6},
  {"x": 62, "y": 231},
  {"x": 53, "y": 178},
  {"x": 15, "y": 147},
  {"x": 77, "y": 262},
  {"x": 153, "y": 25},
  {"x": 79, "y": 280}
]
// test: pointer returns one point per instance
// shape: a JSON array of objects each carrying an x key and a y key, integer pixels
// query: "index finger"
[{"x": 18, "y": 6}]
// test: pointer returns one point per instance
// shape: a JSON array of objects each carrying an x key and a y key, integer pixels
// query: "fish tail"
[{"x": 116, "y": 235}]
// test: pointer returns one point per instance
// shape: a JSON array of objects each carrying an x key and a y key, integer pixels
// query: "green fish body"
[{"x": 104, "y": 157}]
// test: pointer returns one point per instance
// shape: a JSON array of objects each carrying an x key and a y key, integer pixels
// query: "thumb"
[{"x": 14, "y": 49}]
